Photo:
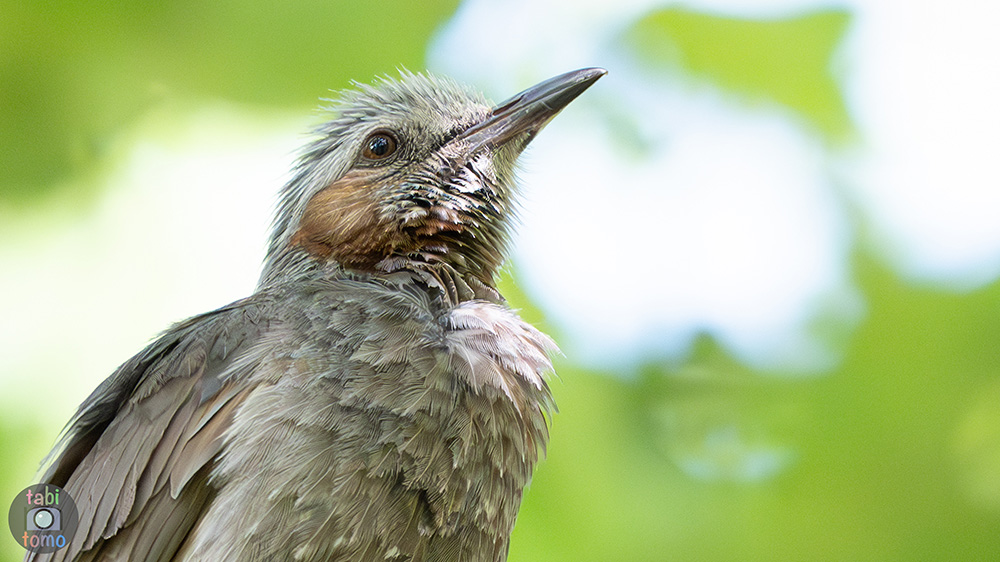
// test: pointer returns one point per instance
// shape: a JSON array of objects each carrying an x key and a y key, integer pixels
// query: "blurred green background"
[{"x": 892, "y": 454}]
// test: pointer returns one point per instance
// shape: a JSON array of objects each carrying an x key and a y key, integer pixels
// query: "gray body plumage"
[{"x": 374, "y": 399}]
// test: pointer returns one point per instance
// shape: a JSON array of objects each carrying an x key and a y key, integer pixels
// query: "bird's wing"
[{"x": 137, "y": 454}]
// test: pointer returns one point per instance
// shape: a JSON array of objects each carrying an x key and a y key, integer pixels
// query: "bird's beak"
[{"x": 529, "y": 111}]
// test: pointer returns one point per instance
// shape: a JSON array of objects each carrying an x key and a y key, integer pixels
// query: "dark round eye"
[{"x": 379, "y": 146}]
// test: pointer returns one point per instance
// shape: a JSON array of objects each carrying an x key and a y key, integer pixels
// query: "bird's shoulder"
[{"x": 157, "y": 421}]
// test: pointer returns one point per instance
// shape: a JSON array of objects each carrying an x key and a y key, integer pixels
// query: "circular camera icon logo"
[{"x": 43, "y": 518}]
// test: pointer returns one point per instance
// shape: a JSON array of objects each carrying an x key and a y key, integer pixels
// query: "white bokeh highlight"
[{"x": 925, "y": 91}]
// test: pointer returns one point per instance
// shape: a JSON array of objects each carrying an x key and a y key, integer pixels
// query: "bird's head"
[{"x": 413, "y": 174}]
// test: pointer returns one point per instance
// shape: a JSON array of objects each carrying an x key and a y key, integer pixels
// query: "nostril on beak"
[{"x": 509, "y": 104}]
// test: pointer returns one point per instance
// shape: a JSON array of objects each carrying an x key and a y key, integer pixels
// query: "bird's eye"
[{"x": 379, "y": 146}]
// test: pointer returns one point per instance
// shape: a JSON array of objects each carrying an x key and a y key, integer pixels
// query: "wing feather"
[{"x": 137, "y": 455}]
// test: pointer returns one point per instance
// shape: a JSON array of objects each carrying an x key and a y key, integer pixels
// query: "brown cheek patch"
[{"x": 341, "y": 223}]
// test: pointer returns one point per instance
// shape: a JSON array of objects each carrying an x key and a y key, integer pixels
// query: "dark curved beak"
[{"x": 523, "y": 115}]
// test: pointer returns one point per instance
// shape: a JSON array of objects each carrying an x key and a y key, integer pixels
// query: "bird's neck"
[{"x": 456, "y": 282}]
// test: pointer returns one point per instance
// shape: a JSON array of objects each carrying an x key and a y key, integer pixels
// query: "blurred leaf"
[
  {"x": 977, "y": 447},
  {"x": 787, "y": 60},
  {"x": 73, "y": 73}
]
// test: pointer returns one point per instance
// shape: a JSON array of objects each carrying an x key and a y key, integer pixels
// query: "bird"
[{"x": 375, "y": 398}]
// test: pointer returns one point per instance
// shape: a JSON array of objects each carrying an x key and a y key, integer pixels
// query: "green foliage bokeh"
[
  {"x": 782, "y": 60},
  {"x": 74, "y": 73},
  {"x": 894, "y": 454}
]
